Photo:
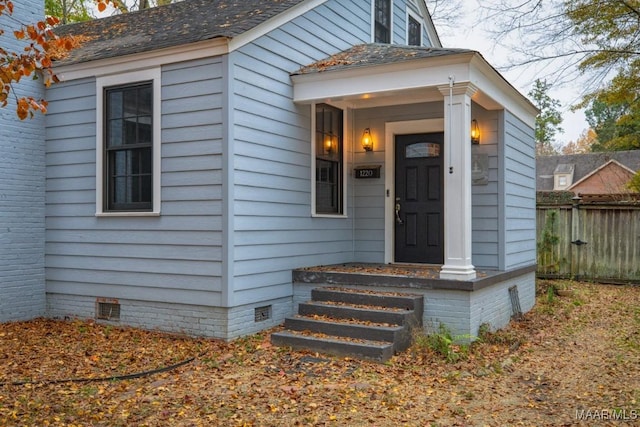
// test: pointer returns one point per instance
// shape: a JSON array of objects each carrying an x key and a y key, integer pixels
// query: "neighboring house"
[
  {"x": 22, "y": 190},
  {"x": 199, "y": 152},
  {"x": 592, "y": 173}
]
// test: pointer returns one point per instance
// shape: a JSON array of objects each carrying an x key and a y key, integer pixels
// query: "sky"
[{"x": 472, "y": 36}]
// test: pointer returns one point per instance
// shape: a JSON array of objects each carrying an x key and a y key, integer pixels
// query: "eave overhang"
[
  {"x": 154, "y": 58},
  {"x": 413, "y": 81}
]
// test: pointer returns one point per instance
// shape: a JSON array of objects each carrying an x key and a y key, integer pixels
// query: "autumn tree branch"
[{"x": 41, "y": 47}]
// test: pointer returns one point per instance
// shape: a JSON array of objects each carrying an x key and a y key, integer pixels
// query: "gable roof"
[
  {"x": 627, "y": 174},
  {"x": 585, "y": 164},
  {"x": 376, "y": 54},
  {"x": 172, "y": 25},
  {"x": 409, "y": 73}
]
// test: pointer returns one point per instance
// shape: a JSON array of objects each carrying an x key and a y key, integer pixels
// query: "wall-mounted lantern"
[
  {"x": 475, "y": 132},
  {"x": 367, "y": 140},
  {"x": 330, "y": 144}
]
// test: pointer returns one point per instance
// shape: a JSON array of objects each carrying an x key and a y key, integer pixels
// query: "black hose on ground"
[{"x": 103, "y": 379}]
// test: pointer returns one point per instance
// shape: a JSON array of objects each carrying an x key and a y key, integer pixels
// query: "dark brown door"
[{"x": 419, "y": 203}]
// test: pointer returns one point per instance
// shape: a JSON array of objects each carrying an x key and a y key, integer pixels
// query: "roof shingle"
[
  {"x": 377, "y": 54},
  {"x": 161, "y": 27},
  {"x": 584, "y": 164}
]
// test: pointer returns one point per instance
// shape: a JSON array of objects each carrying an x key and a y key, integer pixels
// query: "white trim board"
[{"x": 154, "y": 75}]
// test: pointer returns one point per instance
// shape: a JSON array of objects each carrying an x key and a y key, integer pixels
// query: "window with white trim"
[
  {"x": 128, "y": 144},
  {"x": 382, "y": 21},
  {"x": 414, "y": 31},
  {"x": 329, "y": 160},
  {"x": 561, "y": 182}
]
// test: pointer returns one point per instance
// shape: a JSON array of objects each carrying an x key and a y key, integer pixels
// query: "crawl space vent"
[
  {"x": 516, "y": 311},
  {"x": 262, "y": 313},
  {"x": 108, "y": 310}
]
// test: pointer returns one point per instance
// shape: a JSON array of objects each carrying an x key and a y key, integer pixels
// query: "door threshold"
[{"x": 416, "y": 265}]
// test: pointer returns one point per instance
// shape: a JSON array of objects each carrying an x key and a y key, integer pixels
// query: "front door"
[{"x": 419, "y": 199}]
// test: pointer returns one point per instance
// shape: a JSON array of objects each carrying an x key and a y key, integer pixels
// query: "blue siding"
[
  {"x": 175, "y": 257},
  {"x": 273, "y": 228},
  {"x": 22, "y": 195},
  {"x": 486, "y": 198},
  {"x": 399, "y": 23},
  {"x": 519, "y": 193},
  {"x": 236, "y": 179}
]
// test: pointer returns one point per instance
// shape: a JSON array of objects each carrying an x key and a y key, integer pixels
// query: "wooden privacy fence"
[{"x": 593, "y": 238}]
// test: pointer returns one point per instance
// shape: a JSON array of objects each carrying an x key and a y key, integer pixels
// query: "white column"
[{"x": 457, "y": 182}]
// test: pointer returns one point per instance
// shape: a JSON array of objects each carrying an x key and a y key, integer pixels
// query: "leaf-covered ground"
[{"x": 572, "y": 357}]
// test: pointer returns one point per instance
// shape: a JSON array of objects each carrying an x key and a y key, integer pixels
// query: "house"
[
  {"x": 198, "y": 153},
  {"x": 590, "y": 173}
]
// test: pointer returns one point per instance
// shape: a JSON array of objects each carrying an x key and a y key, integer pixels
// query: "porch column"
[{"x": 457, "y": 182}]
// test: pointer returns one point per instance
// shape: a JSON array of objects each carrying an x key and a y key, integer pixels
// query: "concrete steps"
[{"x": 356, "y": 323}]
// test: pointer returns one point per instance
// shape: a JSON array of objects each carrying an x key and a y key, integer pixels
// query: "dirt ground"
[{"x": 571, "y": 361}]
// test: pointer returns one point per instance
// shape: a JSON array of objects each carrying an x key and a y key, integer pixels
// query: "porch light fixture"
[
  {"x": 367, "y": 140},
  {"x": 329, "y": 144},
  {"x": 475, "y": 132}
]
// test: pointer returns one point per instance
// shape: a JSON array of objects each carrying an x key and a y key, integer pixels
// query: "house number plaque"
[{"x": 366, "y": 172}]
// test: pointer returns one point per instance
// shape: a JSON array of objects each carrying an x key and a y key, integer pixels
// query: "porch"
[
  {"x": 401, "y": 277},
  {"x": 437, "y": 196},
  {"x": 492, "y": 298},
  {"x": 441, "y": 214}
]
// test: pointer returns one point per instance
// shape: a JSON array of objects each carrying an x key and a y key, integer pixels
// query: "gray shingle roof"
[
  {"x": 564, "y": 168},
  {"x": 376, "y": 54},
  {"x": 584, "y": 165},
  {"x": 166, "y": 26}
]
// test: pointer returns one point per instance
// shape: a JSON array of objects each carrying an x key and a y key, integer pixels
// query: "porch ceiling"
[{"x": 379, "y": 75}]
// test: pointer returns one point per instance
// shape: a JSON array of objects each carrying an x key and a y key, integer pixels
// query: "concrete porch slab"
[{"x": 409, "y": 276}]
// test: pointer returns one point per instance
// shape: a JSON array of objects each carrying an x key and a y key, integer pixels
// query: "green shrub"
[{"x": 443, "y": 342}]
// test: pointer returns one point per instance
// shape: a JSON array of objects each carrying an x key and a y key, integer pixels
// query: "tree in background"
[
  {"x": 600, "y": 40},
  {"x": 536, "y": 33},
  {"x": 69, "y": 10},
  {"x": 597, "y": 38},
  {"x": 146, "y": 4},
  {"x": 609, "y": 35},
  {"x": 614, "y": 113},
  {"x": 583, "y": 144},
  {"x": 634, "y": 184},
  {"x": 602, "y": 117},
  {"x": 613, "y": 29},
  {"x": 548, "y": 121},
  {"x": 41, "y": 47},
  {"x": 446, "y": 14}
]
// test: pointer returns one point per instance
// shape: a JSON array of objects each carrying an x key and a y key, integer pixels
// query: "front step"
[
  {"x": 381, "y": 299},
  {"x": 350, "y": 322},
  {"x": 372, "y": 350},
  {"x": 395, "y": 334},
  {"x": 373, "y": 313}
]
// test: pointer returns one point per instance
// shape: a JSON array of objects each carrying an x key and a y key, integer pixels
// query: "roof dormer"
[{"x": 563, "y": 176}]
